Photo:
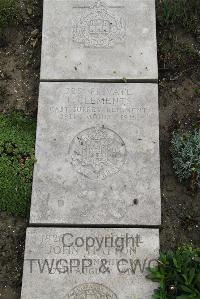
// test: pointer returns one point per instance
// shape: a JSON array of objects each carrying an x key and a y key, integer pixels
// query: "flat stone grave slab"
[
  {"x": 89, "y": 263},
  {"x": 97, "y": 153},
  {"x": 99, "y": 40}
]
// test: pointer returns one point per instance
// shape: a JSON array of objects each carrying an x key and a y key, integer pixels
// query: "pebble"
[{"x": 34, "y": 33}]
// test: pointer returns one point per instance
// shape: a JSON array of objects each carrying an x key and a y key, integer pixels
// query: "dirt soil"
[
  {"x": 19, "y": 82},
  {"x": 179, "y": 103},
  {"x": 20, "y": 60},
  {"x": 11, "y": 255},
  {"x": 179, "y": 107},
  {"x": 179, "y": 100}
]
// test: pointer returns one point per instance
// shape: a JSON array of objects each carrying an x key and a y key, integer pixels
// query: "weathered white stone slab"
[
  {"x": 97, "y": 154},
  {"x": 71, "y": 263},
  {"x": 109, "y": 39}
]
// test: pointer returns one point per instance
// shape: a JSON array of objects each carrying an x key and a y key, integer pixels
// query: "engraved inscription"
[
  {"x": 91, "y": 291},
  {"x": 97, "y": 153},
  {"x": 98, "y": 28}
]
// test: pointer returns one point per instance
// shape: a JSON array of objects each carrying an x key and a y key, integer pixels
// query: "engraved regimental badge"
[
  {"x": 91, "y": 291},
  {"x": 97, "y": 153},
  {"x": 99, "y": 28}
]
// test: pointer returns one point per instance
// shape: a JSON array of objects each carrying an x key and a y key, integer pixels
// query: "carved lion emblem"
[{"x": 99, "y": 28}]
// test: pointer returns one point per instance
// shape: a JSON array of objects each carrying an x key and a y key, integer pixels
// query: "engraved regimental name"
[
  {"x": 98, "y": 27},
  {"x": 99, "y": 104}
]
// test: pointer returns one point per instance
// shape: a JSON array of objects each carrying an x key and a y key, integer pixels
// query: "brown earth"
[
  {"x": 179, "y": 100},
  {"x": 180, "y": 203},
  {"x": 11, "y": 255},
  {"x": 20, "y": 60},
  {"x": 19, "y": 82}
]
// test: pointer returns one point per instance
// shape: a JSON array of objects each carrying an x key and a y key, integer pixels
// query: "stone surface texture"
[
  {"x": 97, "y": 154},
  {"x": 108, "y": 40},
  {"x": 89, "y": 263}
]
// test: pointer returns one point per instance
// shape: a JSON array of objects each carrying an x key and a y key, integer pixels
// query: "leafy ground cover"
[
  {"x": 17, "y": 139},
  {"x": 8, "y": 12},
  {"x": 178, "y": 274},
  {"x": 185, "y": 151}
]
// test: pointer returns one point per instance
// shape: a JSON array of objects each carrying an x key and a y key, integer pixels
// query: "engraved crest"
[
  {"x": 91, "y": 291},
  {"x": 97, "y": 152},
  {"x": 98, "y": 28}
]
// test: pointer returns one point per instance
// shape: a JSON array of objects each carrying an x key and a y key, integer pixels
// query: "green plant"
[
  {"x": 178, "y": 274},
  {"x": 185, "y": 150},
  {"x": 17, "y": 138},
  {"x": 8, "y": 12},
  {"x": 197, "y": 91},
  {"x": 183, "y": 12}
]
